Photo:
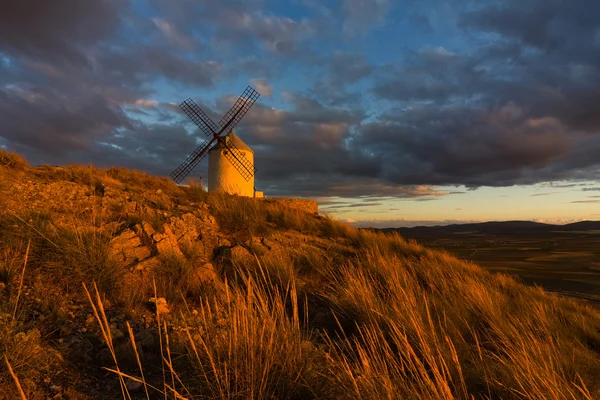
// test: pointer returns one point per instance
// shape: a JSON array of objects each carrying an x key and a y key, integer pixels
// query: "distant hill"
[{"x": 495, "y": 227}]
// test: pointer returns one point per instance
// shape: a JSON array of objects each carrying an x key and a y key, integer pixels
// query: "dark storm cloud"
[
  {"x": 45, "y": 120},
  {"x": 342, "y": 70},
  {"x": 461, "y": 145},
  {"x": 139, "y": 65},
  {"x": 348, "y": 68},
  {"x": 69, "y": 69},
  {"x": 305, "y": 151},
  {"x": 241, "y": 25},
  {"x": 432, "y": 74},
  {"x": 55, "y": 29},
  {"x": 363, "y": 15},
  {"x": 155, "y": 148},
  {"x": 519, "y": 109},
  {"x": 541, "y": 24}
]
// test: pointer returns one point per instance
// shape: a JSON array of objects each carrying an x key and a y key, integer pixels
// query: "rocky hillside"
[{"x": 118, "y": 284}]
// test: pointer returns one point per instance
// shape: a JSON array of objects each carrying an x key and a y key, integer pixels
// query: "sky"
[{"x": 388, "y": 113}]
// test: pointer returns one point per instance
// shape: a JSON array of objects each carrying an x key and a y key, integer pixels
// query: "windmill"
[{"x": 231, "y": 161}]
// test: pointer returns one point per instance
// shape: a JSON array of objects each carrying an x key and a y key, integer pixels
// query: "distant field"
[{"x": 567, "y": 262}]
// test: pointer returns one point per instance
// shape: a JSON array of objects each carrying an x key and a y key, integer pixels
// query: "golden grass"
[
  {"x": 423, "y": 326},
  {"x": 408, "y": 339},
  {"x": 12, "y": 160},
  {"x": 244, "y": 217},
  {"x": 364, "y": 315}
]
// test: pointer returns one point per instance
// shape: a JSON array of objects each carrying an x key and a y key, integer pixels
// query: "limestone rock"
[
  {"x": 206, "y": 274},
  {"x": 185, "y": 227},
  {"x": 128, "y": 248},
  {"x": 160, "y": 305},
  {"x": 147, "y": 264},
  {"x": 167, "y": 242},
  {"x": 241, "y": 255}
]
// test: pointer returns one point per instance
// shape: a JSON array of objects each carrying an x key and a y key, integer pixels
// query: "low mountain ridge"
[{"x": 497, "y": 227}]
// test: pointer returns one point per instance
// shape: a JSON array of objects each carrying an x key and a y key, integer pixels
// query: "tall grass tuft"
[
  {"x": 13, "y": 160},
  {"x": 252, "y": 344}
]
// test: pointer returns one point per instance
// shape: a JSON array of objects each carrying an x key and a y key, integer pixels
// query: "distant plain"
[{"x": 563, "y": 259}]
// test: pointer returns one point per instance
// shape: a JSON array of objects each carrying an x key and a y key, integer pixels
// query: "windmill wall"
[{"x": 223, "y": 176}]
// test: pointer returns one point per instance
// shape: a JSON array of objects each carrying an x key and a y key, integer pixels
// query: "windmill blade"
[
  {"x": 199, "y": 117},
  {"x": 244, "y": 166},
  {"x": 190, "y": 163},
  {"x": 239, "y": 109}
]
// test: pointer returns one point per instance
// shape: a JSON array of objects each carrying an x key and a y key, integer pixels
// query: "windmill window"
[{"x": 225, "y": 152}]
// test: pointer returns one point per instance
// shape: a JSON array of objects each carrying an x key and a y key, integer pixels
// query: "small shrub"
[
  {"x": 238, "y": 216},
  {"x": 70, "y": 254},
  {"x": 11, "y": 262},
  {"x": 175, "y": 277},
  {"x": 85, "y": 257},
  {"x": 13, "y": 160},
  {"x": 196, "y": 194}
]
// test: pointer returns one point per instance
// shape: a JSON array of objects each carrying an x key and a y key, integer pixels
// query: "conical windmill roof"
[{"x": 235, "y": 141}]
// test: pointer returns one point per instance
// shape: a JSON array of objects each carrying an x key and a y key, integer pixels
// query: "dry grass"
[
  {"x": 12, "y": 160},
  {"x": 63, "y": 255},
  {"x": 142, "y": 180},
  {"x": 247, "y": 217},
  {"x": 360, "y": 315},
  {"x": 422, "y": 325}
]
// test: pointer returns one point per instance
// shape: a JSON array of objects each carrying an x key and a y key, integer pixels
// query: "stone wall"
[{"x": 309, "y": 206}]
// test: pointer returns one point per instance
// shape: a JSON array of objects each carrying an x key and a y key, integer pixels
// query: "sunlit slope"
[{"x": 254, "y": 299}]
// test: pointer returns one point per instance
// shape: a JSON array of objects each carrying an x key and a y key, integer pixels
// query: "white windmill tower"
[
  {"x": 231, "y": 161},
  {"x": 225, "y": 176}
]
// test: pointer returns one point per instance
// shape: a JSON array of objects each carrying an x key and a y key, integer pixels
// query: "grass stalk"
[{"x": 15, "y": 379}]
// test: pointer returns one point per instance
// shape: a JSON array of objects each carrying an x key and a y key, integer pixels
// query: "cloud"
[
  {"x": 60, "y": 124},
  {"x": 351, "y": 205},
  {"x": 586, "y": 201},
  {"x": 512, "y": 100},
  {"x": 497, "y": 114},
  {"x": 543, "y": 194},
  {"x": 262, "y": 86},
  {"x": 364, "y": 15},
  {"x": 140, "y": 64},
  {"x": 57, "y": 30},
  {"x": 146, "y": 103},
  {"x": 242, "y": 25},
  {"x": 346, "y": 68},
  {"x": 174, "y": 34}
]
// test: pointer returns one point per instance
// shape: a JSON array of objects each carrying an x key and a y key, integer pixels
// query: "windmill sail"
[
  {"x": 196, "y": 114},
  {"x": 244, "y": 166},
  {"x": 227, "y": 123},
  {"x": 190, "y": 163},
  {"x": 239, "y": 109}
]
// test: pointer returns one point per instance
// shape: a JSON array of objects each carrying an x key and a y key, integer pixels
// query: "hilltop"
[{"x": 111, "y": 277}]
